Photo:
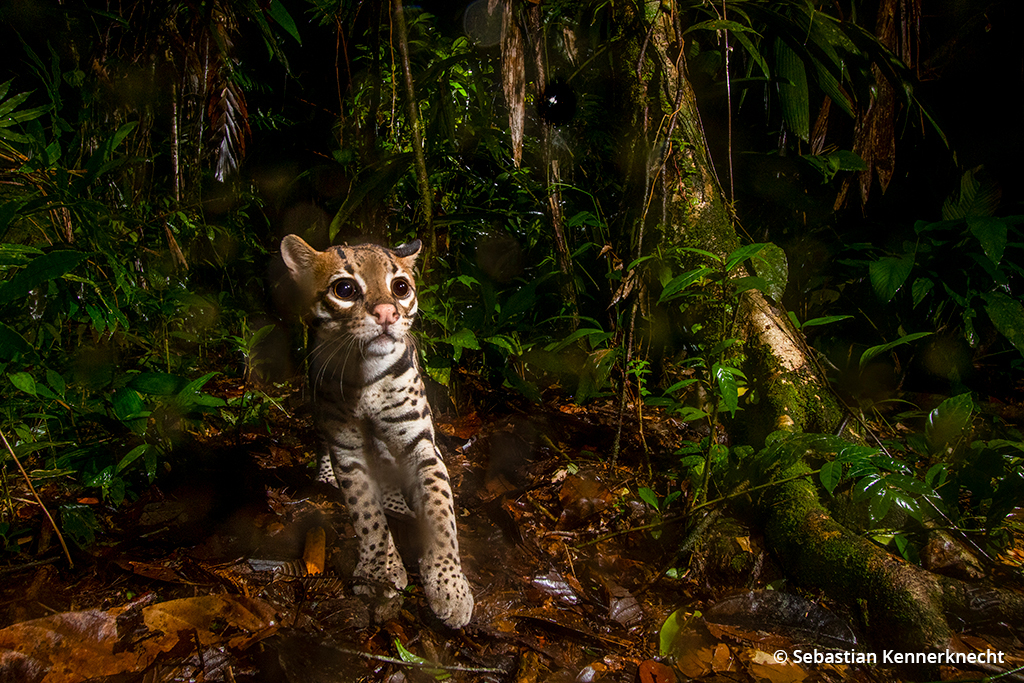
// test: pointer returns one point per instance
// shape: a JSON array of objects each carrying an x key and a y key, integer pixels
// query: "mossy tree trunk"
[{"x": 904, "y": 605}]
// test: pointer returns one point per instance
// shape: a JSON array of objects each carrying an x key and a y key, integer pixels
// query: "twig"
[
  {"x": 423, "y": 665},
  {"x": 39, "y": 500}
]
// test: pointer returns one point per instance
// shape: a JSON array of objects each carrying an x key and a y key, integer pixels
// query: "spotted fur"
[{"x": 373, "y": 415}]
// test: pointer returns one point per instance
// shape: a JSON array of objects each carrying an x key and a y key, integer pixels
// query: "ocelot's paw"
[{"x": 448, "y": 593}]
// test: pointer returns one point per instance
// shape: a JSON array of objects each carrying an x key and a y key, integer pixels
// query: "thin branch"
[
  {"x": 39, "y": 500},
  {"x": 426, "y": 196},
  {"x": 424, "y": 665}
]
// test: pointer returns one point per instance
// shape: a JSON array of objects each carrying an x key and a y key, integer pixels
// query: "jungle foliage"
[{"x": 151, "y": 157}]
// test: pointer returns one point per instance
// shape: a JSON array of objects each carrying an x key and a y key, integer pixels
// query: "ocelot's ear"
[
  {"x": 297, "y": 255},
  {"x": 409, "y": 250}
]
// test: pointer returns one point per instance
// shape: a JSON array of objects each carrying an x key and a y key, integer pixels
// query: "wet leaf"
[
  {"x": 93, "y": 644},
  {"x": 888, "y": 275},
  {"x": 946, "y": 423},
  {"x": 651, "y": 671},
  {"x": 1007, "y": 314},
  {"x": 555, "y": 585}
]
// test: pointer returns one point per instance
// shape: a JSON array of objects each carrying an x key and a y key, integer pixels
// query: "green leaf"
[
  {"x": 742, "y": 254},
  {"x": 793, "y": 93},
  {"x": 1007, "y": 315},
  {"x": 41, "y": 269},
  {"x": 828, "y": 319},
  {"x": 281, "y": 16},
  {"x": 728, "y": 388},
  {"x": 946, "y": 423},
  {"x": 463, "y": 339},
  {"x": 846, "y": 160},
  {"x": 671, "y": 629},
  {"x": 920, "y": 289},
  {"x": 889, "y": 273},
  {"x": 990, "y": 233},
  {"x": 649, "y": 497},
  {"x": 681, "y": 282},
  {"x": 133, "y": 455},
  {"x": 23, "y": 381},
  {"x": 830, "y": 475},
  {"x": 56, "y": 382},
  {"x": 882, "y": 348},
  {"x": 595, "y": 335},
  {"x": 438, "y": 674}
]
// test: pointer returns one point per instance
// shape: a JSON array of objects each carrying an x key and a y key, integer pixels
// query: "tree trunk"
[{"x": 905, "y": 605}]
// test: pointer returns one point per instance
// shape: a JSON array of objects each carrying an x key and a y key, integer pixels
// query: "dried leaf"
[{"x": 93, "y": 644}]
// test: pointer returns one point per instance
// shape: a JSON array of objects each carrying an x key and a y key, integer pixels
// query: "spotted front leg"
[
  {"x": 445, "y": 584},
  {"x": 379, "y": 562}
]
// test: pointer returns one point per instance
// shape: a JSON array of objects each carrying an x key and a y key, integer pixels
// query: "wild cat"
[{"x": 373, "y": 416}]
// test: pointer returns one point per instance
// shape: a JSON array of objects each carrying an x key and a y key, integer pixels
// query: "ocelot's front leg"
[
  {"x": 379, "y": 570},
  {"x": 445, "y": 584}
]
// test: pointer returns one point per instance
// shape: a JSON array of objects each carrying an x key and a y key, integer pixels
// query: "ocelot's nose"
[{"x": 386, "y": 315}]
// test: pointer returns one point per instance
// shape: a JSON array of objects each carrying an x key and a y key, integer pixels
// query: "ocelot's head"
[{"x": 363, "y": 295}]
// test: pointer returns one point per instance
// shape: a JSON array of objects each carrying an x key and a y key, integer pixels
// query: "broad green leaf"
[
  {"x": 920, "y": 289},
  {"x": 126, "y": 403},
  {"x": 830, "y": 475},
  {"x": 845, "y": 160},
  {"x": 720, "y": 25},
  {"x": 974, "y": 199},
  {"x": 594, "y": 334},
  {"x": 689, "y": 413},
  {"x": 681, "y": 282},
  {"x": 41, "y": 269},
  {"x": 742, "y": 254},
  {"x": 793, "y": 93},
  {"x": 1007, "y": 314},
  {"x": 281, "y": 16},
  {"x": 133, "y": 455},
  {"x": 56, "y": 382},
  {"x": 991, "y": 233},
  {"x": 670, "y": 630},
  {"x": 907, "y": 483},
  {"x": 649, "y": 497},
  {"x": 23, "y": 381},
  {"x": 946, "y": 423},
  {"x": 463, "y": 339},
  {"x": 888, "y": 274},
  {"x": 879, "y": 505},
  {"x": 728, "y": 388},
  {"x": 936, "y": 475},
  {"x": 882, "y": 348},
  {"x": 504, "y": 342}
]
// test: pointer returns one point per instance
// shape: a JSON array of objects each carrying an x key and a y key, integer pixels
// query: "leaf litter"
[{"x": 239, "y": 571}]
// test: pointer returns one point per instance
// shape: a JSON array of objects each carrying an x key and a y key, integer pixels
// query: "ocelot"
[{"x": 373, "y": 416}]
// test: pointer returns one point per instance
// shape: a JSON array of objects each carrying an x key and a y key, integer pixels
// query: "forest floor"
[{"x": 211, "y": 574}]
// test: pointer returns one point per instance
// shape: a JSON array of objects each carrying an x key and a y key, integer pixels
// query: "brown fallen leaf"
[
  {"x": 315, "y": 551},
  {"x": 92, "y": 644},
  {"x": 651, "y": 671}
]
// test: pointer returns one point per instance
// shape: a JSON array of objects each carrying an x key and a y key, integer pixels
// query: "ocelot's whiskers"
[{"x": 371, "y": 409}]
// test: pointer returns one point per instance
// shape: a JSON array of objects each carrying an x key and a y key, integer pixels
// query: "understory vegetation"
[{"x": 153, "y": 155}]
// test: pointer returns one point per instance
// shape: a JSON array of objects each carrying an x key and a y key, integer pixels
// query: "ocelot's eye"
[
  {"x": 401, "y": 288},
  {"x": 346, "y": 289}
]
